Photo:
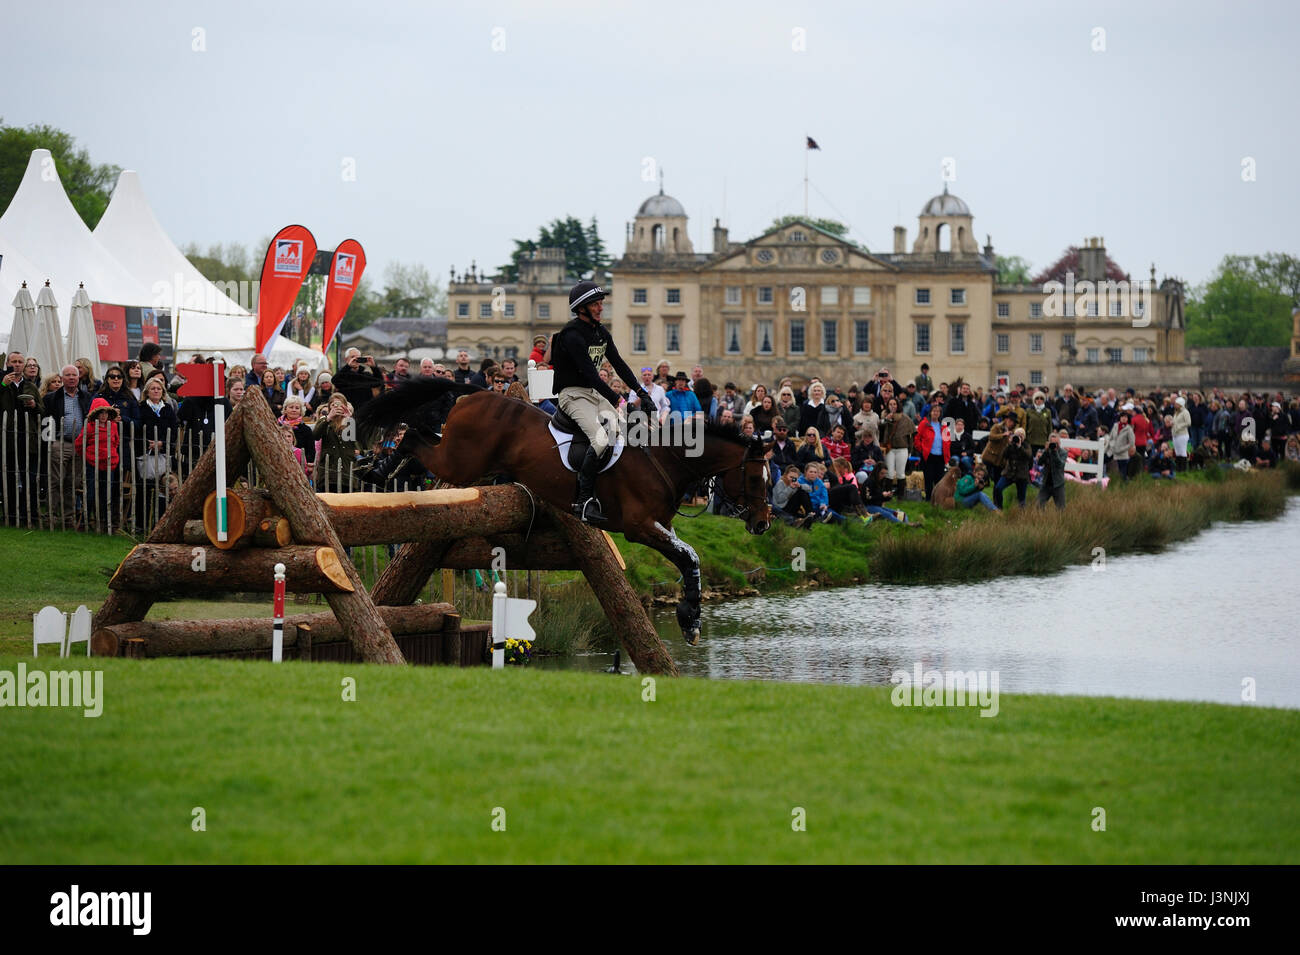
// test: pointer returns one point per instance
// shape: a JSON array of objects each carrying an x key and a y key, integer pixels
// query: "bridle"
[{"x": 715, "y": 482}]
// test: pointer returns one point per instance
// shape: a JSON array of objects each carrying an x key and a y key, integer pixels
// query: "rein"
[{"x": 711, "y": 484}]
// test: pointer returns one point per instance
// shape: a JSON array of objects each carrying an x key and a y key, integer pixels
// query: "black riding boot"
[{"x": 585, "y": 506}]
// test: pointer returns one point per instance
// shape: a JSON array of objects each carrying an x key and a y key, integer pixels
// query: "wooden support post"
[
  {"x": 309, "y": 520},
  {"x": 591, "y": 551},
  {"x": 302, "y": 637},
  {"x": 407, "y": 573},
  {"x": 451, "y": 640}
]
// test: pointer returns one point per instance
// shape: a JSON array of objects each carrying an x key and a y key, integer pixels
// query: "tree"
[
  {"x": 1069, "y": 262},
  {"x": 584, "y": 252},
  {"x": 410, "y": 292},
  {"x": 1245, "y": 304},
  {"x": 1012, "y": 270},
  {"x": 230, "y": 262},
  {"x": 1281, "y": 272},
  {"x": 835, "y": 228},
  {"x": 367, "y": 306},
  {"x": 89, "y": 186}
]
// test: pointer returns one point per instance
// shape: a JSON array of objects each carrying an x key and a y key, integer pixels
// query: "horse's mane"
[
  {"x": 399, "y": 404},
  {"x": 725, "y": 432}
]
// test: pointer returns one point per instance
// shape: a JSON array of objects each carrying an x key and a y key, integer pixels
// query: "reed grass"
[{"x": 1143, "y": 516}]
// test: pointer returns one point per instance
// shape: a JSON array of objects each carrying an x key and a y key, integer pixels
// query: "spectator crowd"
[{"x": 108, "y": 454}]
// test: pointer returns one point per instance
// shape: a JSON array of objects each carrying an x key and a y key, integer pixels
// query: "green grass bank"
[{"x": 586, "y": 770}]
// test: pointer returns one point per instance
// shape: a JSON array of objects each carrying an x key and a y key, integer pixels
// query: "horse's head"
[{"x": 747, "y": 483}]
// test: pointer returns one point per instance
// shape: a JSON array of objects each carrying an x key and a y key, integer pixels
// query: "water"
[{"x": 1190, "y": 623}]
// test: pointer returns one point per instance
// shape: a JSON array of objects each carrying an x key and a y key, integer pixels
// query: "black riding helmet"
[{"x": 582, "y": 293}]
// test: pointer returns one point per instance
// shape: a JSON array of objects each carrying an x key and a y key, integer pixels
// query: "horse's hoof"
[{"x": 692, "y": 636}]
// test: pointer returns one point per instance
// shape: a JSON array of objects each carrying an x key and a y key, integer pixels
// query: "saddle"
[{"x": 573, "y": 443}]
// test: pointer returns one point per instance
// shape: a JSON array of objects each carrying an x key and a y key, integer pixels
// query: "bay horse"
[{"x": 489, "y": 434}]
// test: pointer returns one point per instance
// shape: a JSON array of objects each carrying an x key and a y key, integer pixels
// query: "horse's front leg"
[{"x": 682, "y": 556}]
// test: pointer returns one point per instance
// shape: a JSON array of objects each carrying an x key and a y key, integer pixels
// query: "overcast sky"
[{"x": 459, "y": 147}]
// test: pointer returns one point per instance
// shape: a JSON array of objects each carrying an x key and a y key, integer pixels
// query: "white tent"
[
  {"x": 44, "y": 228},
  {"x": 23, "y": 331},
  {"x": 204, "y": 318},
  {"x": 82, "y": 341},
  {"x": 47, "y": 345}
]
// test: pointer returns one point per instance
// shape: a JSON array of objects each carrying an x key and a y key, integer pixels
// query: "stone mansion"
[{"x": 801, "y": 301}]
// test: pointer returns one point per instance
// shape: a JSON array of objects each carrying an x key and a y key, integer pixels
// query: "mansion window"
[
  {"x": 673, "y": 337},
  {"x": 544, "y": 310},
  {"x": 830, "y": 295},
  {"x": 798, "y": 236},
  {"x": 1114, "y": 354},
  {"x": 639, "y": 296},
  {"x": 765, "y": 336},
  {"x": 830, "y": 337},
  {"x": 733, "y": 295},
  {"x": 1036, "y": 378},
  {"x": 733, "y": 337},
  {"x": 862, "y": 295},
  {"x": 862, "y": 337},
  {"x": 1139, "y": 354},
  {"x": 957, "y": 338},
  {"x": 1093, "y": 355},
  {"x": 765, "y": 295},
  {"x": 510, "y": 309},
  {"x": 1035, "y": 309},
  {"x": 462, "y": 309},
  {"x": 674, "y": 296},
  {"x": 957, "y": 296},
  {"x": 1036, "y": 343},
  {"x": 797, "y": 345},
  {"x": 923, "y": 296},
  {"x": 484, "y": 309},
  {"x": 923, "y": 338},
  {"x": 1067, "y": 340},
  {"x": 639, "y": 338},
  {"x": 1093, "y": 310},
  {"x": 1116, "y": 308},
  {"x": 1004, "y": 309},
  {"x": 1004, "y": 344}
]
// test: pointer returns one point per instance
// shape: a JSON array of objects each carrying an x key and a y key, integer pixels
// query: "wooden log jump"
[
  {"x": 171, "y": 568},
  {"x": 185, "y": 637},
  {"x": 287, "y": 522}
]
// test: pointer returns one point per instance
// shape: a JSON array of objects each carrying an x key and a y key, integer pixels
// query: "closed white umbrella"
[
  {"x": 82, "y": 340},
  {"x": 23, "y": 333},
  {"x": 47, "y": 344}
]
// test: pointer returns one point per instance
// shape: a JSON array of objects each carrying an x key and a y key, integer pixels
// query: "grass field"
[{"x": 586, "y": 771}]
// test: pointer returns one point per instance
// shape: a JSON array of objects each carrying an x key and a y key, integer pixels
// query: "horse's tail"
[{"x": 405, "y": 401}]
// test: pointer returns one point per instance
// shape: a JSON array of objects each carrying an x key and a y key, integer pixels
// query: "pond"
[{"x": 1190, "y": 623}]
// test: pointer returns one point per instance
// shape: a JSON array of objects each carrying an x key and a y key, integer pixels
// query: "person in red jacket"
[
  {"x": 1141, "y": 438},
  {"x": 98, "y": 444},
  {"x": 540, "y": 348},
  {"x": 934, "y": 445}
]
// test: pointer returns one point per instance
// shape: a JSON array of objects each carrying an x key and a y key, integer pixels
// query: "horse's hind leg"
[{"x": 682, "y": 556}]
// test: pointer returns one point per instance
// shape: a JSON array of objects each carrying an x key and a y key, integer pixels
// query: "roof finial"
[{"x": 661, "y": 180}]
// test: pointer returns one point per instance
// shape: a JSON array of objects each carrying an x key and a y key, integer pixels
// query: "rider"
[{"x": 577, "y": 352}]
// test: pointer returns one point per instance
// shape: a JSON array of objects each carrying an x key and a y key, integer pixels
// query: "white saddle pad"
[{"x": 563, "y": 440}]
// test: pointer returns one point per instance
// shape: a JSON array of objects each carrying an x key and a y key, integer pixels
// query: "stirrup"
[{"x": 588, "y": 511}]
